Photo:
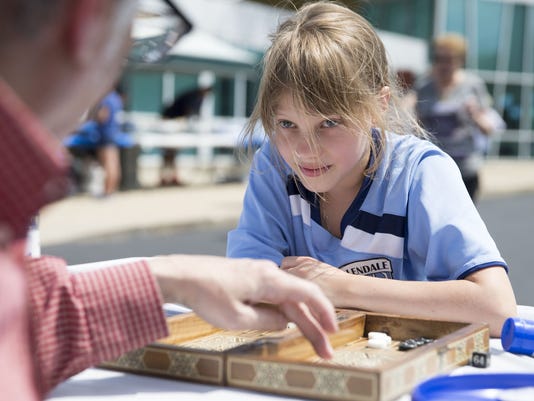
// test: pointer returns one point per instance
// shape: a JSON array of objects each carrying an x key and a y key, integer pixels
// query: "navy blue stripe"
[
  {"x": 315, "y": 214},
  {"x": 387, "y": 223},
  {"x": 482, "y": 266},
  {"x": 291, "y": 185},
  {"x": 354, "y": 209},
  {"x": 295, "y": 187}
]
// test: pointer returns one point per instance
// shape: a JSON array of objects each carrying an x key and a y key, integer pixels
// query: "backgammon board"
[{"x": 283, "y": 362}]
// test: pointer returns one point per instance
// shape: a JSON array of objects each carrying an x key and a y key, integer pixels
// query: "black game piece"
[
  {"x": 413, "y": 343},
  {"x": 407, "y": 345}
]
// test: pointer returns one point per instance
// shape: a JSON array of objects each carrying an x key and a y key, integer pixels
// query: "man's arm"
[{"x": 82, "y": 319}]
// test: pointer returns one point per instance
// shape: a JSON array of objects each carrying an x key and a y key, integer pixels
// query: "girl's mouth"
[{"x": 313, "y": 171}]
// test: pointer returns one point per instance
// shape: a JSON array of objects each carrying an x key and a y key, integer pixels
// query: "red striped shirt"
[{"x": 54, "y": 324}]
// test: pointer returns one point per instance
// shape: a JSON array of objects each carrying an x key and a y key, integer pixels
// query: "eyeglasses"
[{"x": 156, "y": 28}]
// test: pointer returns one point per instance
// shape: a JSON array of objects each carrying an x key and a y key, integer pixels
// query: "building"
[
  {"x": 226, "y": 43},
  {"x": 500, "y": 34},
  {"x": 230, "y": 53}
]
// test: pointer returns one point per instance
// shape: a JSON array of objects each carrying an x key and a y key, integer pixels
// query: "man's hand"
[{"x": 233, "y": 293}]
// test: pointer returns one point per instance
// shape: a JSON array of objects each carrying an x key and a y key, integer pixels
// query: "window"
[
  {"x": 510, "y": 103},
  {"x": 489, "y": 17},
  {"x": 516, "y": 48},
  {"x": 456, "y": 16},
  {"x": 408, "y": 17},
  {"x": 145, "y": 90}
]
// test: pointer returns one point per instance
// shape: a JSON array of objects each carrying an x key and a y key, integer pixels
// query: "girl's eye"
[
  {"x": 285, "y": 124},
  {"x": 330, "y": 123}
]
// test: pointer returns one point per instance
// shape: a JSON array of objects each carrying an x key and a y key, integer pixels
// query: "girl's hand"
[{"x": 324, "y": 275}]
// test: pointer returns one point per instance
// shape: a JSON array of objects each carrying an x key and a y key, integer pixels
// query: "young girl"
[{"x": 348, "y": 193}]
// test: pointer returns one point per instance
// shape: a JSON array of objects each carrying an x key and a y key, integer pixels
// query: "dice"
[
  {"x": 480, "y": 359},
  {"x": 379, "y": 340}
]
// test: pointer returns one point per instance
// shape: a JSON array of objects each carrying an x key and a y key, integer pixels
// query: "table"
[{"x": 99, "y": 384}]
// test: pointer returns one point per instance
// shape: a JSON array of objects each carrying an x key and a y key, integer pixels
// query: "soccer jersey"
[{"x": 413, "y": 220}]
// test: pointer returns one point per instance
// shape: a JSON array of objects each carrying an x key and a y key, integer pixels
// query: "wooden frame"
[{"x": 284, "y": 362}]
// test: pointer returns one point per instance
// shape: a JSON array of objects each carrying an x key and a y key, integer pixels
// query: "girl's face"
[{"x": 327, "y": 155}]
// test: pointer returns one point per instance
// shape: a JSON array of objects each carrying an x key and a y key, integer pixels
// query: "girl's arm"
[
  {"x": 448, "y": 247},
  {"x": 265, "y": 222},
  {"x": 483, "y": 296}
]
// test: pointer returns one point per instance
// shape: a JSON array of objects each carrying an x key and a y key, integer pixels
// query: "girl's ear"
[{"x": 384, "y": 96}]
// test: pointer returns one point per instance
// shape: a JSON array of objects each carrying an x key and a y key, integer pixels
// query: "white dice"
[{"x": 379, "y": 340}]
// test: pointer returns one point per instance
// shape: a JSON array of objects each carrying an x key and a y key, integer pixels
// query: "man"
[{"x": 57, "y": 57}]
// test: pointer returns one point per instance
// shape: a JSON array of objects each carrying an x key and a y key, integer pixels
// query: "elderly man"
[{"x": 57, "y": 58}]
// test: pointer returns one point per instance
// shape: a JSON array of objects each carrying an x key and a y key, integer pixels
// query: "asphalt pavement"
[{"x": 199, "y": 204}]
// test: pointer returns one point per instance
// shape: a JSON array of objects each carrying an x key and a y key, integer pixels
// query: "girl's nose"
[{"x": 306, "y": 144}]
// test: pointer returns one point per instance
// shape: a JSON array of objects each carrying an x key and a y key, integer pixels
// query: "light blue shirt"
[{"x": 414, "y": 220}]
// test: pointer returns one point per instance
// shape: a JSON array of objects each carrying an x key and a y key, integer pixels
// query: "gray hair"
[{"x": 25, "y": 17}]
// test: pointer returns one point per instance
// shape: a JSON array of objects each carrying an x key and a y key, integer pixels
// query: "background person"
[
  {"x": 107, "y": 117},
  {"x": 348, "y": 193},
  {"x": 54, "y": 324},
  {"x": 101, "y": 138},
  {"x": 455, "y": 106},
  {"x": 187, "y": 105}
]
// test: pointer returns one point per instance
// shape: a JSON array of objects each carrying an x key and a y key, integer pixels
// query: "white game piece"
[
  {"x": 377, "y": 342},
  {"x": 379, "y": 334},
  {"x": 375, "y": 334}
]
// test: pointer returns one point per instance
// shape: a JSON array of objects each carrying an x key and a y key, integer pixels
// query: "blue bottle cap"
[{"x": 517, "y": 336}]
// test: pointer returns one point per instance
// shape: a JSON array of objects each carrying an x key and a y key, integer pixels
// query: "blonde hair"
[
  {"x": 333, "y": 63},
  {"x": 453, "y": 42}
]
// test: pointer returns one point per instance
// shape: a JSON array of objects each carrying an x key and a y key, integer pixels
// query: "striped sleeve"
[{"x": 79, "y": 320}]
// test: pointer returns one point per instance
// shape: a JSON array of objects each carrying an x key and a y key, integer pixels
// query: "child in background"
[{"x": 348, "y": 193}]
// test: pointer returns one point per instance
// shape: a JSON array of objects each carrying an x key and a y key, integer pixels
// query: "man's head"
[
  {"x": 25, "y": 17},
  {"x": 61, "y": 56}
]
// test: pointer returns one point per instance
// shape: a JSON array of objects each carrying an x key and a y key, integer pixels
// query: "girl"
[{"x": 348, "y": 193}]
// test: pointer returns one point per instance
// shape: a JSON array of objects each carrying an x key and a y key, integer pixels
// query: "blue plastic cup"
[{"x": 517, "y": 336}]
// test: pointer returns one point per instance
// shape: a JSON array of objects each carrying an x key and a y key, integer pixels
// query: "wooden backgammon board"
[{"x": 283, "y": 362}]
